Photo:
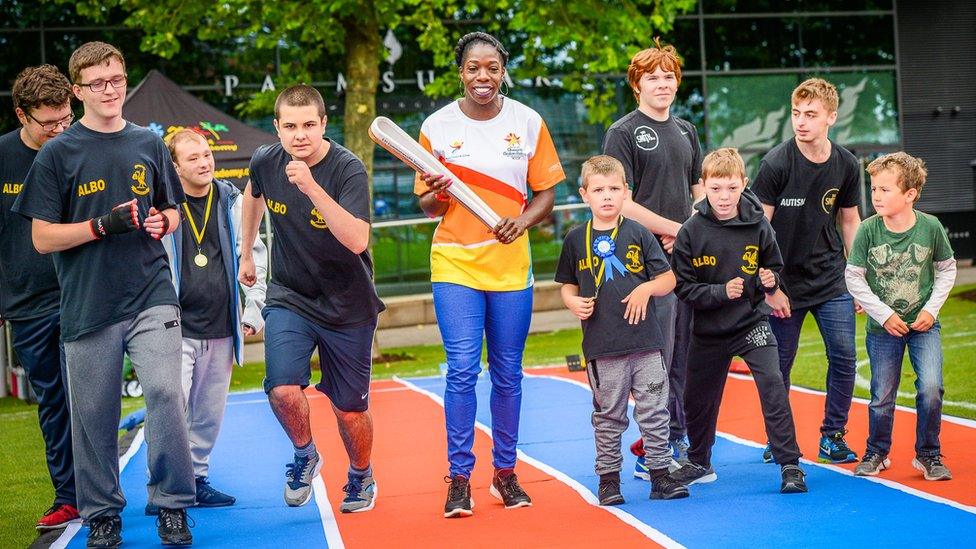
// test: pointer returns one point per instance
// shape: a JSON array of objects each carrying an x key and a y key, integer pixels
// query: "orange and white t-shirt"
[{"x": 499, "y": 159}]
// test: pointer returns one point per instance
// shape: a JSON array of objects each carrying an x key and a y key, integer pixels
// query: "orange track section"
[
  {"x": 409, "y": 464},
  {"x": 741, "y": 416}
]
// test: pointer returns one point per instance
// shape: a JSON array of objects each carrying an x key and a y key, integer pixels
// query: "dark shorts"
[{"x": 345, "y": 355}]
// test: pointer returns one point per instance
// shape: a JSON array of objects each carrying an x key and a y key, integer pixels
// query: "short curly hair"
[
  {"x": 817, "y": 88},
  {"x": 910, "y": 170},
  {"x": 43, "y": 85},
  {"x": 649, "y": 60},
  {"x": 722, "y": 163}
]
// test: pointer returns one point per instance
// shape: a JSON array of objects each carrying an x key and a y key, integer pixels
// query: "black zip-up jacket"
[{"x": 708, "y": 253}]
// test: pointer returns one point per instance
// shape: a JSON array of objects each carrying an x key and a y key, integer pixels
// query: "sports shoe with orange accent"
[{"x": 58, "y": 516}]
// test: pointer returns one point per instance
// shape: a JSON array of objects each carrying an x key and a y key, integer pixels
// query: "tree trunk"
[{"x": 362, "y": 77}]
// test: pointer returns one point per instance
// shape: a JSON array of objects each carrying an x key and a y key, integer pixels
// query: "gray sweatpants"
[
  {"x": 613, "y": 380},
  {"x": 94, "y": 364},
  {"x": 207, "y": 366}
]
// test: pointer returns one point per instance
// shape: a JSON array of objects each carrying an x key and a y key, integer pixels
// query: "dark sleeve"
[
  {"x": 616, "y": 144},
  {"x": 167, "y": 192},
  {"x": 696, "y": 156},
  {"x": 252, "y": 170},
  {"x": 353, "y": 190},
  {"x": 655, "y": 261},
  {"x": 700, "y": 295},
  {"x": 769, "y": 182},
  {"x": 41, "y": 198},
  {"x": 769, "y": 256},
  {"x": 566, "y": 269},
  {"x": 850, "y": 189}
]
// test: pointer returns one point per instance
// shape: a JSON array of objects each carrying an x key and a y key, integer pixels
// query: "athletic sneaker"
[
  {"x": 872, "y": 464},
  {"x": 58, "y": 516},
  {"x": 360, "y": 494},
  {"x": 667, "y": 487},
  {"x": 505, "y": 486},
  {"x": 768, "y": 454},
  {"x": 609, "y": 492},
  {"x": 932, "y": 467},
  {"x": 679, "y": 449},
  {"x": 459, "y": 500},
  {"x": 640, "y": 469},
  {"x": 208, "y": 496},
  {"x": 793, "y": 482},
  {"x": 105, "y": 532},
  {"x": 692, "y": 473},
  {"x": 172, "y": 527},
  {"x": 834, "y": 449},
  {"x": 298, "y": 479}
]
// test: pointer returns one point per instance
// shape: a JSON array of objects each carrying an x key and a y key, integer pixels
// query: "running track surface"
[{"x": 556, "y": 469}]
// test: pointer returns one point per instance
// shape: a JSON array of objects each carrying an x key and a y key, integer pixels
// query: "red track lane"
[
  {"x": 741, "y": 416},
  {"x": 409, "y": 464}
]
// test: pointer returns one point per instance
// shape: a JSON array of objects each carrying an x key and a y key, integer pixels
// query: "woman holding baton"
[{"x": 482, "y": 277}]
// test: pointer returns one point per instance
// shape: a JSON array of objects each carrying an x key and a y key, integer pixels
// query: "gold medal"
[{"x": 200, "y": 260}]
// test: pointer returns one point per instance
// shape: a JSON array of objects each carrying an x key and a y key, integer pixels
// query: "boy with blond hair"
[
  {"x": 726, "y": 261},
  {"x": 609, "y": 269},
  {"x": 661, "y": 157},
  {"x": 901, "y": 269},
  {"x": 804, "y": 185}
]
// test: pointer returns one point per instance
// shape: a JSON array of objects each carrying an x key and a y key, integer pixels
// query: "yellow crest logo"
[
  {"x": 139, "y": 176},
  {"x": 827, "y": 202},
  {"x": 317, "y": 220},
  {"x": 751, "y": 259},
  {"x": 634, "y": 265}
]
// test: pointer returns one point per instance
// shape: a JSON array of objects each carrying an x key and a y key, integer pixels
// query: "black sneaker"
[
  {"x": 505, "y": 486},
  {"x": 793, "y": 482},
  {"x": 834, "y": 449},
  {"x": 105, "y": 532},
  {"x": 692, "y": 473},
  {"x": 459, "y": 500},
  {"x": 208, "y": 496},
  {"x": 173, "y": 528},
  {"x": 666, "y": 487},
  {"x": 609, "y": 492}
]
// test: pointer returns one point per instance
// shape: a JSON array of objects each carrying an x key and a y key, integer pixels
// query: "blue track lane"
[
  {"x": 248, "y": 462},
  {"x": 744, "y": 507}
]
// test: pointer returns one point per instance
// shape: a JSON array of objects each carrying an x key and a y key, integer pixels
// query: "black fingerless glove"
[{"x": 122, "y": 219}]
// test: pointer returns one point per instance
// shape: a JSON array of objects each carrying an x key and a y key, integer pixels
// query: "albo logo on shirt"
[
  {"x": 317, "y": 220},
  {"x": 91, "y": 187},
  {"x": 12, "y": 188},
  {"x": 139, "y": 176},
  {"x": 277, "y": 207}
]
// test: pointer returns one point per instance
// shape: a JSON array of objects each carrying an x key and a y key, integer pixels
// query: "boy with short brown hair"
[{"x": 901, "y": 269}]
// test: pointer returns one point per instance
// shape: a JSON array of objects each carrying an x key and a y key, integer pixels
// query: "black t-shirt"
[
  {"x": 806, "y": 197},
  {"x": 28, "y": 282},
  {"x": 312, "y": 273},
  {"x": 606, "y": 332},
  {"x": 204, "y": 295},
  {"x": 84, "y": 174},
  {"x": 662, "y": 160}
]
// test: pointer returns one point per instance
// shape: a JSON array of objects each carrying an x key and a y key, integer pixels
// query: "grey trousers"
[
  {"x": 674, "y": 318},
  {"x": 94, "y": 364},
  {"x": 613, "y": 380},
  {"x": 207, "y": 366}
]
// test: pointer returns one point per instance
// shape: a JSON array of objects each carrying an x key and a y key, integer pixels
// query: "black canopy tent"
[{"x": 161, "y": 105}]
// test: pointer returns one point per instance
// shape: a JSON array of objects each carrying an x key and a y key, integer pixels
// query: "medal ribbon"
[
  {"x": 198, "y": 235},
  {"x": 603, "y": 273}
]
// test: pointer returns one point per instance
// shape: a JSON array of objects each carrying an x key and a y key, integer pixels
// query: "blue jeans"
[
  {"x": 887, "y": 353},
  {"x": 835, "y": 319},
  {"x": 465, "y": 317}
]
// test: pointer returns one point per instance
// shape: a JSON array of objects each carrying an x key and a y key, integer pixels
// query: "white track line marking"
[
  {"x": 834, "y": 468},
  {"x": 652, "y": 533},
  {"x": 329, "y": 525}
]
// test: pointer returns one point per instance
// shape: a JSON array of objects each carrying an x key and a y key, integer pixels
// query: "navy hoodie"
[{"x": 708, "y": 253}]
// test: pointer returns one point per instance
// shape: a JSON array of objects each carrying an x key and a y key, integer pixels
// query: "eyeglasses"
[
  {"x": 98, "y": 86},
  {"x": 50, "y": 126}
]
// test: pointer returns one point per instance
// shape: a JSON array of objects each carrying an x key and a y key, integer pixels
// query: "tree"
[{"x": 580, "y": 40}]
